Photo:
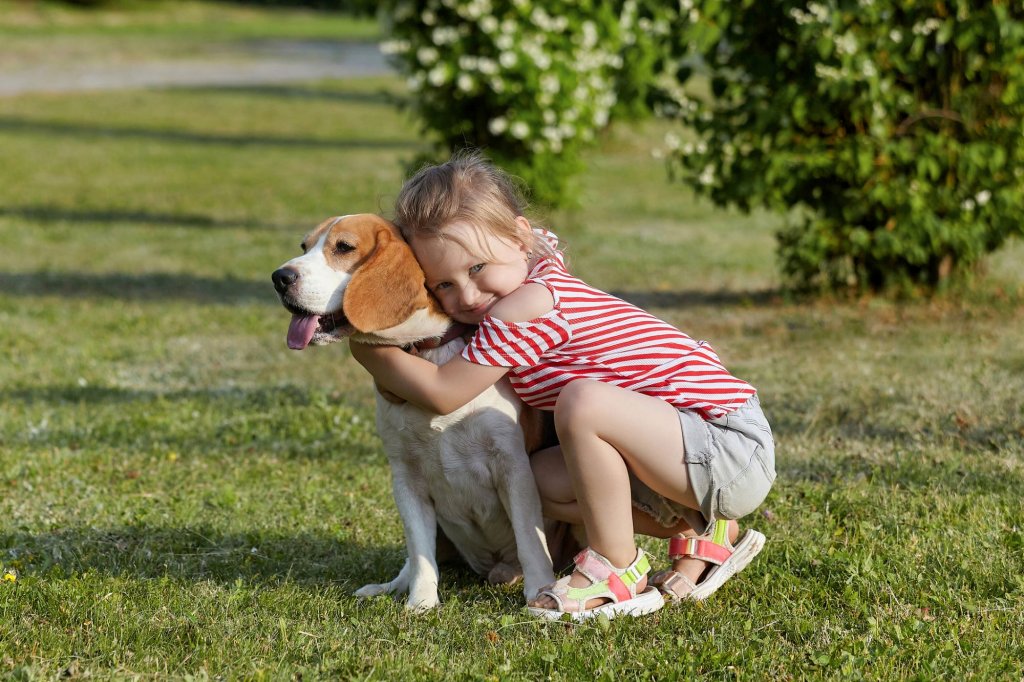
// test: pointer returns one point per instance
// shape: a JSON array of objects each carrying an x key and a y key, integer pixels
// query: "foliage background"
[{"x": 890, "y": 133}]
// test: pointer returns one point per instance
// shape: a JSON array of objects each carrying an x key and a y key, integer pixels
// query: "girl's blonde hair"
[{"x": 465, "y": 189}]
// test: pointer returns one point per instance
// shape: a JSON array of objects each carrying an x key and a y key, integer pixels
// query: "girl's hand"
[{"x": 439, "y": 389}]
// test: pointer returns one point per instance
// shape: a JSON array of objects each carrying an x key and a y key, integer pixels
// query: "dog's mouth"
[{"x": 306, "y": 328}]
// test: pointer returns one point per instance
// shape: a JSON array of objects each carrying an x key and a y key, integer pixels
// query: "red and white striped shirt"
[{"x": 593, "y": 335}]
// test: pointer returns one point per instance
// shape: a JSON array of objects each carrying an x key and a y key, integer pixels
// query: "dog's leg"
[
  {"x": 420, "y": 523},
  {"x": 419, "y": 574},
  {"x": 518, "y": 493}
]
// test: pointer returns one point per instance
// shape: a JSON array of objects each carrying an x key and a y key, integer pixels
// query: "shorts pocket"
[{"x": 745, "y": 493}]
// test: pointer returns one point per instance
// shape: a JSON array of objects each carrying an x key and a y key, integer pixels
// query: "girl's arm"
[{"x": 436, "y": 388}]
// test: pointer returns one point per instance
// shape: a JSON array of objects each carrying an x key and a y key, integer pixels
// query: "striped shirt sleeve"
[{"x": 516, "y": 344}]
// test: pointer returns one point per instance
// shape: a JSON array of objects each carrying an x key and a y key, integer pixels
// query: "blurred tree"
[
  {"x": 896, "y": 127},
  {"x": 530, "y": 83}
]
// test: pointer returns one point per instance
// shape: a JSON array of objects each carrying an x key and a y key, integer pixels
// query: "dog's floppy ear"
[{"x": 387, "y": 287}]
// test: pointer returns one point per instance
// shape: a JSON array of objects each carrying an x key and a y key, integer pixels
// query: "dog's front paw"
[
  {"x": 373, "y": 590},
  {"x": 423, "y": 603}
]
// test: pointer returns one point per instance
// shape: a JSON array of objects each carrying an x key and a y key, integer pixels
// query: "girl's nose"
[{"x": 468, "y": 296}]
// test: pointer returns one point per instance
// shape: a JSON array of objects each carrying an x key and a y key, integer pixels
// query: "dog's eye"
[
  {"x": 302, "y": 247},
  {"x": 344, "y": 247}
]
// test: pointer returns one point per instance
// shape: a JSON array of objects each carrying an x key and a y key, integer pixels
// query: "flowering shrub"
[
  {"x": 897, "y": 126},
  {"x": 528, "y": 82}
]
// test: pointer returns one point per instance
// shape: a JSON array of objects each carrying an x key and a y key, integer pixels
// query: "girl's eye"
[
  {"x": 442, "y": 285},
  {"x": 476, "y": 268}
]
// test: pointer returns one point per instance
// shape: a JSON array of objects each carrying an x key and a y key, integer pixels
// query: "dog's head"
[{"x": 357, "y": 277}]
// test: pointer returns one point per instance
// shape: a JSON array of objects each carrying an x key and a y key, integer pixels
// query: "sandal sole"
[
  {"x": 749, "y": 546},
  {"x": 648, "y": 601}
]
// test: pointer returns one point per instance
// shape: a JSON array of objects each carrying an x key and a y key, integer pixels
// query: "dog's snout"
[{"x": 284, "y": 278}]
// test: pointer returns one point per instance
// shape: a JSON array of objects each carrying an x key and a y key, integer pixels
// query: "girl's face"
[{"x": 470, "y": 269}]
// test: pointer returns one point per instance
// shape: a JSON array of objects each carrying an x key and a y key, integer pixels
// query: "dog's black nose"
[{"x": 284, "y": 278}]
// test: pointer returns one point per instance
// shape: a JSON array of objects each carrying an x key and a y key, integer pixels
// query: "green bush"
[
  {"x": 529, "y": 83},
  {"x": 895, "y": 126}
]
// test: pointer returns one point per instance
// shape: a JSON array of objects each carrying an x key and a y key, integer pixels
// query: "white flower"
[
  {"x": 444, "y": 35},
  {"x": 829, "y": 73},
  {"x": 550, "y": 84},
  {"x": 426, "y": 55},
  {"x": 465, "y": 82},
  {"x": 498, "y": 125},
  {"x": 438, "y": 75},
  {"x": 520, "y": 130},
  {"x": 895, "y": 35},
  {"x": 846, "y": 43},
  {"x": 983, "y": 197},
  {"x": 707, "y": 176},
  {"x": 589, "y": 34},
  {"x": 487, "y": 66},
  {"x": 927, "y": 27},
  {"x": 968, "y": 205},
  {"x": 672, "y": 140},
  {"x": 508, "y": 59},
  {"x": 428, "y": 17},
  {"x": 489, "y": 24},
  {"x": 819, "y": 11}
]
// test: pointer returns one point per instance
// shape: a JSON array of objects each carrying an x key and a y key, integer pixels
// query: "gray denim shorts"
[{"x": 730, "y": 462}]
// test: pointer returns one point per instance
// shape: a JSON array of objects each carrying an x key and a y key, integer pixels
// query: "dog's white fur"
[{"x": 467, "y": 472}]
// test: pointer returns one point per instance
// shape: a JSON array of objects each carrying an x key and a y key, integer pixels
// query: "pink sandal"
[
  {"x": 713, "y": 547},
  {"x": 606, "y": 582}
]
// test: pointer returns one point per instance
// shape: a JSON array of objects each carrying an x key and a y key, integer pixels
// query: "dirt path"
[{"x": 266, "y": 62}]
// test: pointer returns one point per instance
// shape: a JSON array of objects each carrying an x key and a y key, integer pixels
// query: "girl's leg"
[
  {"x": 604, "y": 433},
  {"x": 559, "y": 500},
  {"x": 603, "y": 430}
]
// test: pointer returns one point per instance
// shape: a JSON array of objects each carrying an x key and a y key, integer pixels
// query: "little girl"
[{"x": 655, "y": 436}]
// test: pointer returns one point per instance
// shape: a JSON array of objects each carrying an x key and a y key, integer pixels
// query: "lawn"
[{"x": 180, "y": 495}]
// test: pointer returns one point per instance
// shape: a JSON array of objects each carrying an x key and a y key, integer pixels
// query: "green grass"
[
  {"x": 47, "y": 32},
  {"x": 183, "y": 496}
]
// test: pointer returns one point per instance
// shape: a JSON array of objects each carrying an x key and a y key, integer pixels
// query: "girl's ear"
[{"x": 526, "y": 238}]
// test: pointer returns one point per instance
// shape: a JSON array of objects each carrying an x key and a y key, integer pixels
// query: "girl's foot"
[
  {"x": 702, "y": 564},
  {"x": 596, "y": 587}
]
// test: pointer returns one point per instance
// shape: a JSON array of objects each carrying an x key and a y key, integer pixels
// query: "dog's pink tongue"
[{"x": 301, "y": 330}]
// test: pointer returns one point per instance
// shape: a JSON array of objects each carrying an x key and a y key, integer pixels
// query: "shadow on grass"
[
  {"x": 32, "y": 126},
  {"x": 155, "y": 286},
  {"x": 60, "y": 214},
  {"x": 300, "y": 92},
  {"x": 203, "y": 553},
  {"x": 280, "y": 421},
  {"x": 649, "y": 300}
]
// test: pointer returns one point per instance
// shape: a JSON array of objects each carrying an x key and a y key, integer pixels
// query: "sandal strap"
[
  {"x": 605, "y": 578},
  {"x": 678, "y": 584},
  {"x": 712, "y": 547}
]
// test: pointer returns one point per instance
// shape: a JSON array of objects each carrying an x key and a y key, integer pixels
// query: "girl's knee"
[{"x": 576, "y": 403}]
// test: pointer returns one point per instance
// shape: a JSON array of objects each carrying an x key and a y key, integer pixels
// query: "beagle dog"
[{"x": 467, "y": 473}]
